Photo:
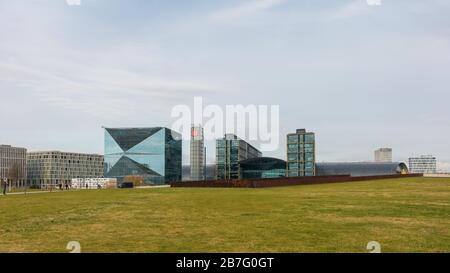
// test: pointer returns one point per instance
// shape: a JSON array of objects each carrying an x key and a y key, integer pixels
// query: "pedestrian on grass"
[{"x": 4, "y": 185}]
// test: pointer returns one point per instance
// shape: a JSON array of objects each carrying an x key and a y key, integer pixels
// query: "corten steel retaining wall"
[{"x": 285, "y": 181}]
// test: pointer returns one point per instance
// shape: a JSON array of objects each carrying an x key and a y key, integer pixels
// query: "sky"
[{"x": 361, "y": 77}]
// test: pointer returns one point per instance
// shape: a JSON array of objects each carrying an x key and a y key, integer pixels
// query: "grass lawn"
[
  {"x": 404, "y": 215},
  {"x": 14, "y": 190}
]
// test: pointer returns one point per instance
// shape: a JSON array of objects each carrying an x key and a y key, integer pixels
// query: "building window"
[
  {"x": 293, "y": 148},
  {"x": 293, "y": 139},
  {"x": 309, "y": 138},
  {"x": 292, "y": 157},
  {"x": 309, "y": 157}
]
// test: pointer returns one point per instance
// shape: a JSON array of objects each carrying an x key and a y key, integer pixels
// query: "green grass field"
[
  {"x": 404, "y": 215},
  {"x": 23, "y": 190}
]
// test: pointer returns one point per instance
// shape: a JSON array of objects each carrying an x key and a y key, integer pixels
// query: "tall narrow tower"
[
  {"x": 197, "y": 153},
  {"x": 301, "y": 153}
]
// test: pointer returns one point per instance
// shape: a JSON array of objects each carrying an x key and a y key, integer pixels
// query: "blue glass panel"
[
  {"x": 293, "y": 139},
  {"x": 113, "y": 152},
  {"x": 150, "y": 152},
  {"x": 153, "y": 153},
  {"x": 309, "y": 138}
]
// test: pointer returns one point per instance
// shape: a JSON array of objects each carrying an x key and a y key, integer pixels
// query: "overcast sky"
[{"x": 360, "y": 76}]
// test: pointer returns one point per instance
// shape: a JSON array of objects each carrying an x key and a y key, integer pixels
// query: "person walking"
[{"x": 4, "y": 185}]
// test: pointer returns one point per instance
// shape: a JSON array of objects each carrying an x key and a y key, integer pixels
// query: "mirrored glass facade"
[
  {"x": 229, "y": 151},
  {"x": 262, "y": 167},
  {"x": 301, "y": 154},
  {"x": 153, "y": 153}
]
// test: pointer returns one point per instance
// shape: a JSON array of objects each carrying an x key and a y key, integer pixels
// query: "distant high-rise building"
[
  {"x": 423, "y": 164},
  {"x": 229, "y": 151},
  {"x": 155, "y": 154},
  {"x": 50, "y": 168},
  {"x": 383, "y": 155},
  {"x": 13, "y": 162},
  {"x": 301, "y": 154},
  {"x": 197, "y": 154}
]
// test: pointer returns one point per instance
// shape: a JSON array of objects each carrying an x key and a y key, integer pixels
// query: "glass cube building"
[
  {"x": 301, "y": 154},
  {"x": 153, "y": 153}
]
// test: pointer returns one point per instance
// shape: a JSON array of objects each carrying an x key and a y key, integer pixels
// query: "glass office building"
[
  {"x": 301, "y": 154},
  {"x": 13, "y": 164},
  {"x": 152, "y": 153},
  {"x": 51, "y": 168},
  {"x": 230, "y": 150},
  {"x": 262, "y": 167}
]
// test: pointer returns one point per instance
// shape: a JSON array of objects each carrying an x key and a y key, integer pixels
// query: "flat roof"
[{"x": 60, "y": 152}]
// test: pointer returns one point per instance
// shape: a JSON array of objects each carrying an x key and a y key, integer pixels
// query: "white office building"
[
  {"x": 383, "y": 155},
  {"x": 425, "y": 164}
]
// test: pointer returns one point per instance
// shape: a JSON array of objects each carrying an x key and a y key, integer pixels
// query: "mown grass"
[
  {"x": 404, "y": 215},
  {"x": 21, "y": 190}
]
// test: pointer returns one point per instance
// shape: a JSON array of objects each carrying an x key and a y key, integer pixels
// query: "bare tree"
[{"x": 15, "y": 173}]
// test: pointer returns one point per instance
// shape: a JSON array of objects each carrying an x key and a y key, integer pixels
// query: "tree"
[{"x": 15, "y": 173}]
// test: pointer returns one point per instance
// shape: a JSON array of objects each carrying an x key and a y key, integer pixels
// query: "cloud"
[
  {"x": 247, "y": 12},
  {"x": 42, "y": 56},
  {"x": 103, "y": 93},
  {"x": 352, "y": 9},
  {"x": 246, "y": 9}
]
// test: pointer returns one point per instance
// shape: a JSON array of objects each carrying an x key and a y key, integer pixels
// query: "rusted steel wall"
[{"x": 285, "y": 181}]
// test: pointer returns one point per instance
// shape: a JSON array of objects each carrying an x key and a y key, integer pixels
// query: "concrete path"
[
  {"x": 23, "y": 193},
  {"x": 153, "y": 187},
  {"x": 35, "y": 192}
]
